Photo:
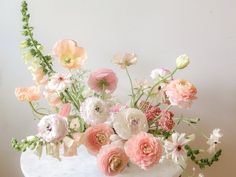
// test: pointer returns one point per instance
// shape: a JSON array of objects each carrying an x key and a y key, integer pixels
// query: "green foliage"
[
  {"x": 33, "y": 45},
  {"x": 203, "y": 162},
  {"x": 24, "y": 144}
]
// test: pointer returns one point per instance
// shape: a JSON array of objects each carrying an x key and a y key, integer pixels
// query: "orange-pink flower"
[
  {"x": 103, "y": 79},
  {"x": 27, "y": 93},
  {"x": 69, "y": 53},
  {"x": 97, "y": 136},
  {"x": 181, "y": 93},
  {"x": 112, "y": 159},
  {"x": 144, "y": 150}
]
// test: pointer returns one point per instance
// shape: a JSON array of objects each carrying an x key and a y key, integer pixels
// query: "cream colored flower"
[
  {"x": 130, "y": 122},
  {"x": 125, "y": 60},
  {"x": 214, "y": 140},
  {"x": 182, "y": 61},
  {"x": 95, "y": 110},
  {"x": 59, "y": 82}
]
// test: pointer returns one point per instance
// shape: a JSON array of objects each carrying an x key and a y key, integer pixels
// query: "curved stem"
[{"x": 34, "y": 110}]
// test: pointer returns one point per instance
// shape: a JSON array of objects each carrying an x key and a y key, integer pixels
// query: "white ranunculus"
[
  {"x": 52, "y": 128},
  {"x": 95, "y": 110},
  {"x": 129, "y": 122}
]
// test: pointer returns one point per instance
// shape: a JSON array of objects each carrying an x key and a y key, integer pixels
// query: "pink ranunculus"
[
  {"x": 52, "y": 128},
  {"x": 112, "y": 159},
  {"x": 103, "y": 79},
  {"x": 97, "y": 136},
  {"x": 166, "y": 121},
  {"x": 150, "y": 111},
  {"x": 181, "y": 93},
  {"x": 27, "y": 93},
  {"x": 143, "y": 150},
  {"x": 69, "y": 53}
]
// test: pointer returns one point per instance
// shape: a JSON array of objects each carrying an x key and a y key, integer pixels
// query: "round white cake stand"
[{"x": 84, "y": 165}]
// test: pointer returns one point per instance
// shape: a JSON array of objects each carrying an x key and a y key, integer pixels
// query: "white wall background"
[{"x": 157, "y": 30}]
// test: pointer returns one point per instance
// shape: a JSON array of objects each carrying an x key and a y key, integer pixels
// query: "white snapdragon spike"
[
  {"x": 126, "y": 60},
  {"x": 59, "y": 82},
  {"x": 159, "y": 73},
  {"x": 130, "y": 122},
  {"x": 214, "y": 140},
  {"x": 95, "y": 110},
  {"x": 175, "y": 148},
  {"x": 52, "y": 128}
]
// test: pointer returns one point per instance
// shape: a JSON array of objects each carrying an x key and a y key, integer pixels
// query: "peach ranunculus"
[
  {"x": 143, "y": 150},
  {"x": 103, "y": 79},
  {"x": 112, "y": 159},
  {"x": 97, "y": 136},
  {"x": 27, "y": 93},
  {"x": 181, "y": 93},
  {"x": 69, "y": 53}
]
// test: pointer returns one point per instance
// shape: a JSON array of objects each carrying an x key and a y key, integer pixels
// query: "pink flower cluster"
[{"x": 166, "y": 121}]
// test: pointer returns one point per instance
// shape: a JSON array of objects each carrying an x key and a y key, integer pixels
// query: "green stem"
[
  {"x": 131, "y": 85},
  {"x": 72, "y": 99},
  {"x": 159, "y": 82},
  {"x": 34, "y": 110}
]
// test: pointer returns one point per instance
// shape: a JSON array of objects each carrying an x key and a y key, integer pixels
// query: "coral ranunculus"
[
  {"x": 181, "y": 93},
  {"x": 112, "y": 160},
  {"x": 144, "y": 150},
  {"x": 97, "y": 136},
  {"x": 27, "y": 93},
  {"x": 69, "y": 53},
  {"x": 103, "y": 79}
]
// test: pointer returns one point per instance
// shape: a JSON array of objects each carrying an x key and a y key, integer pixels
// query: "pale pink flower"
[
  {"x": 52, "y": 128},
  {"x": 181, "y": 93},
  {"x": 176, "y": 148},
  {"x": 39, "y": 77},
  {"x": 54, "y": 99},
  {"x": 159, "y": 73},
  {"x": 59, "y": 82},
  {"x": 144, "y": 150},
  {"x": 97, "y": 136},
  {"x": 27, "y": 93},
  {"x": 69, "y": 53},
  {"x": 125, "y": 60},
  {"x": 103, "y": 79},
  {"x": 166, "y": 121},
  {"x": 65, "y": 110},
  {"x": 112, "y": 159}
]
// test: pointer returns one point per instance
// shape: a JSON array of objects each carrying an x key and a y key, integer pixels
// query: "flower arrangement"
[{"x": 84, "y": 111}]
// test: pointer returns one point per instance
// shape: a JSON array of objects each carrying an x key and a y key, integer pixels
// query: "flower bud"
[{"x": 182, "y": 61}]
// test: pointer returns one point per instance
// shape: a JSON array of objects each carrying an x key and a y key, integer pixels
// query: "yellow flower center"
[
  {"x": 101, "y": 138},
  {"x": 115, "y": 163}
]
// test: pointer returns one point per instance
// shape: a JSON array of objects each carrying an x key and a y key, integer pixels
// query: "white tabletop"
[{"x": 84, "y": 165}]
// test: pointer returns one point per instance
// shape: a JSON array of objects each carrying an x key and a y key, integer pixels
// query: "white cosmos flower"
[
  {"x": 59, "y": 82},
  {"x": 95, "y": 110},
  {"x": 52, "y": 128},
  {"x": 214, "y": 140},
  {"x": 129, "y": 122},
  {"x": 175, "y": 148},
  {"x": 125, "y": 60},
  {"x": 159, "y": 73},
  {"x": 200, "y": 175}
]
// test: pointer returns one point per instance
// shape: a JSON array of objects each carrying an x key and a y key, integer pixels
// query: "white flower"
[
  {"x": 94, "y": 110},
  {"x": 200, "y": 175},
  {"x": 126, "y": 60},
  {"x": 52, "y": 128},
  {"x": 182, "y": 61},
  {"x": 129, "y": 122},
  {"x": 159, "y": 73},
  {"x": 176, "y": 148},
  {"x": 74, "y": 124},
  {"x": 214, "y": 140},
  {"x": 59, "y": 82}
]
